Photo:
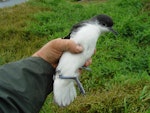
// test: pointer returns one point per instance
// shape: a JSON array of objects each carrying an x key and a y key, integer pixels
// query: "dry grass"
[{"x": 16, "y": 41}]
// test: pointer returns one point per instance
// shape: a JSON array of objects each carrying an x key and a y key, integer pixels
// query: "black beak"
[{"x": 113, "y": 31}]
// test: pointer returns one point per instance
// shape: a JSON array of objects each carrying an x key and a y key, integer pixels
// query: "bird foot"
[
  {"x": 86, "y": 68},
  {"x": 77, "y": 81}
]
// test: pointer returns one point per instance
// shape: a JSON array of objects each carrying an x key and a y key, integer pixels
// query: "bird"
[{"x": 86, "y": 34}]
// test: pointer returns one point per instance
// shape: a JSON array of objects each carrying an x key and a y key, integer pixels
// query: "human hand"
[{"x": 52, "y": 51}]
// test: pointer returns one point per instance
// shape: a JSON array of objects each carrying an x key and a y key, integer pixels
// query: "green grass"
[{"x": 120, "y": 77}]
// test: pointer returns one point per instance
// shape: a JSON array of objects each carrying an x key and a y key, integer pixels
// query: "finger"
[
  {"x": 66, "y": 45},
  {"x": 88, "y": 62},
  {"x": 73, "y": 47},
  {"x": 94, "y": 51},
  {"x": 80, "y": 71}
]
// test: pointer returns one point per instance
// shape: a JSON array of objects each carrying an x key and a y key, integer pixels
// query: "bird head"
[{"x": 105, "y": 22}]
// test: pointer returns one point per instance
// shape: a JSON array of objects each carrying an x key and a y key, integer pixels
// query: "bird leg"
[{"x": 77, "y": 81}]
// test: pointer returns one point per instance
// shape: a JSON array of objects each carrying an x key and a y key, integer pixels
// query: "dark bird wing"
[{"x": 75, "y": 28}]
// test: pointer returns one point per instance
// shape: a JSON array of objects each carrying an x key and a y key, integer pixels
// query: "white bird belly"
[{"x": 70, "y": 63}]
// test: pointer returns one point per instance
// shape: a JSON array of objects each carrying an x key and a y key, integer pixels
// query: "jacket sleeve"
[{"x": 24, "y": 85}]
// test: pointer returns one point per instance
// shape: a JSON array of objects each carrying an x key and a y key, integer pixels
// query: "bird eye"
[{"x": 104, "y": 24}]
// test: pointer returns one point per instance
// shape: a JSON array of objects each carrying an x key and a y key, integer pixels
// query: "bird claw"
[
  {"x": 86, "y": 68},
  {"x": 77, "y": 81}
]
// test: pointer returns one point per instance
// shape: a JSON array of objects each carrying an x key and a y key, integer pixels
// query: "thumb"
[{"x": 67, "y": 45}]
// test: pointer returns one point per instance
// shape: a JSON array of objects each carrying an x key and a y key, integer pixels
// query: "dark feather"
[{"x": 75, "y": 28}]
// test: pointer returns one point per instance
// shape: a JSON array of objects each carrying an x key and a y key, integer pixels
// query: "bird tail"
[{"x": 64, "y": 91}]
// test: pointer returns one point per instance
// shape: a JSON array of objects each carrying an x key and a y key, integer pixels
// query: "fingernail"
[{"x": 79, "y": 48}]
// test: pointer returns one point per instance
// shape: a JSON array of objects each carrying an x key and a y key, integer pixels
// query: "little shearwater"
[{"x": 86, "y": 34}]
